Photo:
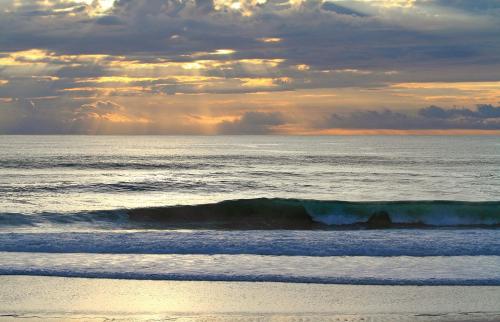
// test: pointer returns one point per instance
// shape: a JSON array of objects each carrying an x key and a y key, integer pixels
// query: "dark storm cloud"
[
  {"x": 253, "y": 123},
  {"x": 485, "y": 117}
]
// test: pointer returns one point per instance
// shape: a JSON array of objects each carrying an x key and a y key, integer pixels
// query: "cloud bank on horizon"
[{"x": 249, "y": 66}]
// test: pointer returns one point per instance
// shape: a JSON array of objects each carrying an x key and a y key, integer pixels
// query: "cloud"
[
  {"x": 477, "y": 6},
  {"x": 97, "y": 110},
  {"x": 109, "y": 20},
  {"x": 25, "y": 116},
  {"x": 66, "y": 55},
  {"x": 485, "y": 117},
  {"x": 482, "y": 112},
  {"x": 330, "y": 6},
  {"x": 253, "y": 123},
  {"x": 138, "y": 27}
]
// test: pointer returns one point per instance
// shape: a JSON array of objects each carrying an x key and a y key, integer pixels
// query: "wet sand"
[{"x": 61, "y": 299}]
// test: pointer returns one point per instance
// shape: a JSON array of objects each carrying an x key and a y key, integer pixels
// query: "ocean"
[{"x": 385, "y": 210}]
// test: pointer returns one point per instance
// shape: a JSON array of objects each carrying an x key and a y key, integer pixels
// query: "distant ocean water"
[{"x": 66, "y": 205}]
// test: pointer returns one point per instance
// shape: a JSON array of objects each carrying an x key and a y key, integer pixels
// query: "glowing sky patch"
[
  {"x": 102, "y": 5},
  {"x": 299, "y": 66}
]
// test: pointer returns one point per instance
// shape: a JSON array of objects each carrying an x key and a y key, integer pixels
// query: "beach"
[{"x": 38, "y": 298}]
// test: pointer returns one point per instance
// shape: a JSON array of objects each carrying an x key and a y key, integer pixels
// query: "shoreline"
[{"x": 63, "y": 298}]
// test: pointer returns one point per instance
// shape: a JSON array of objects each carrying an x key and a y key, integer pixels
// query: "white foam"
[
  {"x": 464, "y": 270},
  {"x": 411, "y": 242}
]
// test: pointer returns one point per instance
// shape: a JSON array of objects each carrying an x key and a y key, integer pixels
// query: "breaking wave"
[
  {"x": 263, "y": 213},
  {"x": 311, "y": 214}
]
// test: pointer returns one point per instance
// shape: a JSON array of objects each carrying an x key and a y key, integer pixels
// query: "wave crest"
[{"x": 279, "y": 213}]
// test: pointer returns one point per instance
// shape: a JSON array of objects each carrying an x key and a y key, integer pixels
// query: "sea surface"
[{"x": 66, "y": 208}]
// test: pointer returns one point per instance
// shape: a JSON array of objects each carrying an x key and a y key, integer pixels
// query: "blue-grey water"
[{"x": 64, "y": 200}]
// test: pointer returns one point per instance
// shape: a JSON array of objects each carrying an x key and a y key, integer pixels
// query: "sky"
[{"x": 308, "y": 67}]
